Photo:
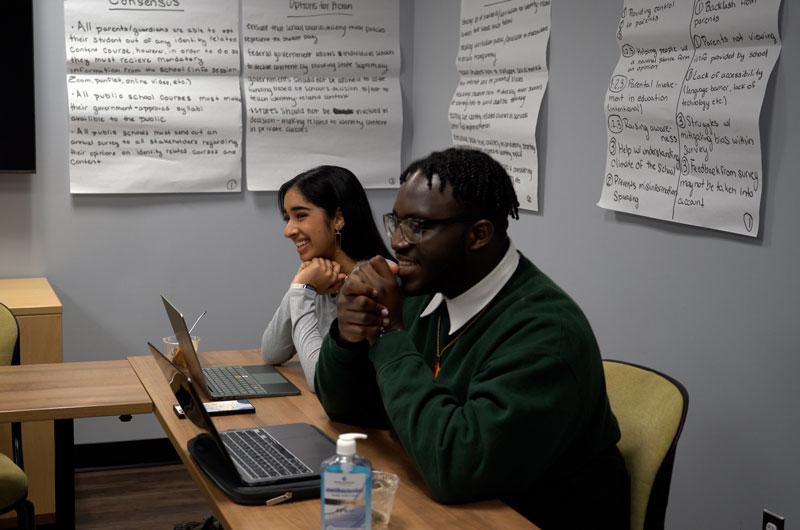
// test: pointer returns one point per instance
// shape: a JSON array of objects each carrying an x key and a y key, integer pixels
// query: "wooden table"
[
  {"x": 38, "y": 312},
  {"x": 413, "y": 508},
  {"x": 63, "y": 392}
]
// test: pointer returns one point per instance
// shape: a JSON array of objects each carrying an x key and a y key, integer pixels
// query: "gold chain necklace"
[{"x": 437, "y": 363}]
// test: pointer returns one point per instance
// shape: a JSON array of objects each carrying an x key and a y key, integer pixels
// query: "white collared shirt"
[{"x": 469, "y": 303}]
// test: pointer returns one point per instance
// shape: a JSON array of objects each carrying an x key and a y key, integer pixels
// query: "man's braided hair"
[{"x": 479, "y": 182}]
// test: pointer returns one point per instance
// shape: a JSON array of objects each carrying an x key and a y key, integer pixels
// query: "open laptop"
[
  {"x": 227, "y": 382},
  {"x": 278, "y": 454}
]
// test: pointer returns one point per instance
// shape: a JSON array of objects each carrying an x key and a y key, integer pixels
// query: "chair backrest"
[
  {"x": 9, "y": 337},
  {"x": 651, "y": 409},
  {"x": 13, "y": 483}
]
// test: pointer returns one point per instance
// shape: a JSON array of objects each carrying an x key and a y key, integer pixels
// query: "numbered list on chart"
[
  {"x": 683, "y": 108},
  {"x": 154, "y": 96},
  {"x": 322, "y": 86},
  {"x": 502, "y": 62}
]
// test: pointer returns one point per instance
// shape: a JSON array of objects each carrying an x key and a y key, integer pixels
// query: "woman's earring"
[{"x": 338, "y": 239}]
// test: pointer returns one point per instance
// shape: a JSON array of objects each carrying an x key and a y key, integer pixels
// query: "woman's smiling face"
[{"x": 308, "y": 226}]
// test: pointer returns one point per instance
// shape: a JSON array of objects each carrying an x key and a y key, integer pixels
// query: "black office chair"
[
  {"x": 651, "y": 410},
  {"x": 13, "y": 481}
]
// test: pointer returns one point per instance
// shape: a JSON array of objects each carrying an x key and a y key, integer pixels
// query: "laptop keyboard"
[
  {"x": 261, "y": 455},
  {"x": 231, "y": 381}
]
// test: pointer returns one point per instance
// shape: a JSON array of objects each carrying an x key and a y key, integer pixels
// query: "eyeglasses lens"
[{"x": 410, "y": 229}]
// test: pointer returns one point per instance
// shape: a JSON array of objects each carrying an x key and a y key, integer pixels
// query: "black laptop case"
[{"x": 206, "y": 453}]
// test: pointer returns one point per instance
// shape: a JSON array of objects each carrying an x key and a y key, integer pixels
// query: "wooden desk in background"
[
  {"x": 62, "y": 392},
  {"x": 413, "y": 508},
  {"x": 38, "y": 312}
]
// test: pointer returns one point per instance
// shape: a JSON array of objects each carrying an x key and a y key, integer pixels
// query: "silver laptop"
[
  {"x": 260, "y": 455},
  {"x": 227, "y": 382}
]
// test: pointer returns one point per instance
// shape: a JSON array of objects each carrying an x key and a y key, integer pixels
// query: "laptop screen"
[
  {"x": 185, "y": 343},
  {"x": 186, "y": 394}
]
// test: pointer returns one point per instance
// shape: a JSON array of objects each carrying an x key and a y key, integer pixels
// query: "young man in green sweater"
[{"x": 487, "y": 371}]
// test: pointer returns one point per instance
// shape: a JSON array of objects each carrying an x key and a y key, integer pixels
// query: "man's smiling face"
[{"x": 431, "y": 264}]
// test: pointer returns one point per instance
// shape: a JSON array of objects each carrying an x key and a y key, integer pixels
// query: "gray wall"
[{"x": 718, "y": 312}]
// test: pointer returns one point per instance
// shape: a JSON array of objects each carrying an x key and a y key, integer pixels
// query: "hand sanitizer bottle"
[{"x": 346, "y": 487}]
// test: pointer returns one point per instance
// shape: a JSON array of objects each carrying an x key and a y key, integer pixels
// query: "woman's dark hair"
[
  {"x": 479, "y": 182},
  {"x": 332, "y": 188}
]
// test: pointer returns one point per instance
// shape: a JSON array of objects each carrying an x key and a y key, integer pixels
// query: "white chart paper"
[
  {"x": 154, "y": 97},
  {"x": 322, "y": 87},
  {"x": 683, "y": 108},
  {"x": 502, "y": 62}
]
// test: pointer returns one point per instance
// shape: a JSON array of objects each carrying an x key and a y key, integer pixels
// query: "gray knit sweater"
[{"x": 298, "y": 326}]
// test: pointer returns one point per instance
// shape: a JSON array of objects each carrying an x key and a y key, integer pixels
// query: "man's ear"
[{"x": 480, "y": 234}]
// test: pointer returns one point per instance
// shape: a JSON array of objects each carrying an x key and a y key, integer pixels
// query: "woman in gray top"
[{"x": 329, "y": 220}]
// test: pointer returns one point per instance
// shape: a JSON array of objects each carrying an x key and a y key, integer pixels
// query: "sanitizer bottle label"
[{"x": 344, "y": 503}]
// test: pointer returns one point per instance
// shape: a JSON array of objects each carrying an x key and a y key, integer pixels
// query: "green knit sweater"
[{"x": 519, "y": 410}]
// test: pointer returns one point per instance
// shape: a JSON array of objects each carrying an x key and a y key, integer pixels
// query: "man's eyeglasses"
[{"x": 411, "y": 228}]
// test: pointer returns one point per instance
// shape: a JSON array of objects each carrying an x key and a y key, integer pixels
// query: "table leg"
[{"x": 65, "y": 474}]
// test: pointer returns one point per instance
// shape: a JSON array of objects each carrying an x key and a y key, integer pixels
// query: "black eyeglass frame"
[{"x": 391, "y": 223}]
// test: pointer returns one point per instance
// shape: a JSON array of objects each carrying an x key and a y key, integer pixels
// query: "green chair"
[
  {"x": 651, "y": 409},
  {"x": 13, "y": 481}
]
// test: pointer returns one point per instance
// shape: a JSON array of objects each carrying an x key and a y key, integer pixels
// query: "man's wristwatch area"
[{"x": 343, "y": 343}]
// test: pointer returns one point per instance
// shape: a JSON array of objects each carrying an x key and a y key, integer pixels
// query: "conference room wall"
[{"x": 717, "y": 311}]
